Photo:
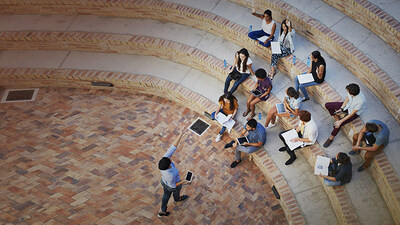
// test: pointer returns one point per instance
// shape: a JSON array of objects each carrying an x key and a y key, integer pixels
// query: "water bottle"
[
  {"x": 308, "y": 61},
  {"x": 294, "y": 59},
  {"x": 250, "y": 28},
  {"x": 259, "y": 116},
  {"x": 225, "y": 63}
]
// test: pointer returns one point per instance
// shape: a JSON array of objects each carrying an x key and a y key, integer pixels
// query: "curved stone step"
[
  {"x": 41, "y": 77},
  {"x": 373, "y": 18}
]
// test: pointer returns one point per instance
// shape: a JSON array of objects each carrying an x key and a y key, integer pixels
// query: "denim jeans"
[
  {"x": 167, "y": 194},
  {"x": 331, "y": 182},
  {"x": 248, "y": 150},
  {"x": 237, "y": 82},
  {"x": 303, "y": 86},
  {"x": 259, "y": 33},
  {"x": 213, "y": 115}
]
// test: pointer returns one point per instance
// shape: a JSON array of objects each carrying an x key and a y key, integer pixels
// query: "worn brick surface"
[{"x": 78, "y": 156}]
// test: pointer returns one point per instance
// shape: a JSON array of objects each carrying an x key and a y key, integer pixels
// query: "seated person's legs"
[
  {"x": 227, "y": 83},
  {"x": 256, "y": 34},
  {"x": 238, "y": 82},
  {"x": 331, "y": 183},
  {"x": 271, "y": 117}
]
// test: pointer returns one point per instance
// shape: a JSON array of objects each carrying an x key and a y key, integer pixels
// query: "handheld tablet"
[
  {"x": 256, "y": 92},
  {"x": 242, "y": 140},
  {"x": 189, "y": 176}
]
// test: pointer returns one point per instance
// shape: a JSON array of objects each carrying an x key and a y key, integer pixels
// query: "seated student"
[
  {"x": 318, "y": 71},
  {"x": 291, "y": 102},
  {"x": 307, "y": 131},
  {"x": 242, "y": 65},
  {"x": 340, "y": 168},
  {"x": 264, "y": 86},
  {"x": 287, "y": 46},
  {"x": 268, "y": 28},
  {"x": 256, "y": 135},
  {"x": 228, "y": 105},
  {"x": 347, "y": 111},
  {"x": 376, "y": 135}
]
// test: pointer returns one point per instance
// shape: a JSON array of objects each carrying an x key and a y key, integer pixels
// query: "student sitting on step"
[
  {"x": 260, "y": 93},
  {"x": 307, "y": 131},
  {"x": 340, "y": 170},
  {"x": 375, "y": 134},
  {"x": 228, "y": 105},
  {"x": 256, "y": 136},
  {"x": 240, "y": 70},
  {"x": 268, "y": 28},
  {"x": 286, "y": 43},
  {"x": 347, "y": 111},
  {"x": 291, "y": 103},
  {"x": 318, "y": 71}
]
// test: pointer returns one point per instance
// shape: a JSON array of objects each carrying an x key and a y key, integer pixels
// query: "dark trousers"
[
  {"x": 167, "y": 194},
  {"x": 259, "y": 33},
  {"x": 290, "y": 152},
  {"x": 237, "y": 82},
  {"x": 332, "y": 107}
]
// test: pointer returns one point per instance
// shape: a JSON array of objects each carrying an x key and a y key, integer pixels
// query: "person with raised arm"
[
  {"x": 170, "y": 179},
  {"x": 268, "y": 28}
]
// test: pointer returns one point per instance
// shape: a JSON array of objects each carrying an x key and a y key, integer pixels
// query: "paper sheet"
[
  {"x": 280, "y": 108},
  {"x": 305, "y": 78},
  {"x": 321, "y": 165},
  {"x": 225, "y": 121},
  {"x": 263, "y": 38},
  {"x": 288, "y": 136},
  {"x": 276, "y": 48}
]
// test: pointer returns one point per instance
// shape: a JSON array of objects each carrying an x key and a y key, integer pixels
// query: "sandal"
[
  {"x": 271, "y": 76},
  {"x": 246, "y": 113},
  {"x": 251, "y": 117}
]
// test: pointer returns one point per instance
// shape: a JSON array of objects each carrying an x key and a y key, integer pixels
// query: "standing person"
[
  {"x": 286, "y": 42},
  {"x": 318, "y": 71},
  {"x": 268, "y": 28},
  {"x": 347, "y": 111},
  {"x": 292, "y": 104},
  {"x": 376, "y": 135},
  {"x": 170, "y": 179},
  {"x": 308, "y": 134},
  {"x": 242, "y": 65},
  {"x": 264, "y": 86},
  {"x": 256, "y": 135},
  {"x": 341, "y": 169},
  {"x": 228, "y": 105}
]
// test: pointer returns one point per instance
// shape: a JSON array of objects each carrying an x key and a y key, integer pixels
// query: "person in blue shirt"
[
  {"x": 170, "y": 179},
  {"x": 376, "y": 136},
  {"x": 256, "y": 134}
]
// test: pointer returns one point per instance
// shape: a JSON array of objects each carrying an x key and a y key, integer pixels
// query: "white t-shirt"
[
  {"x": 355, "y": 103},
  {"x": 310, "y": 132},
  {"x": 293, "y": 103},
  {"x": 244, "y": 69},
  {"x": 267, "y": 28}
]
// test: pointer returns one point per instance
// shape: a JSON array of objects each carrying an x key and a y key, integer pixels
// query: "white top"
[
  {"x": 288, "y": 42},
  {"x": 267, "y": 28},
  {"x": 293, "y": 103},
  {"x": 355, "y": 103},
  {"x": 310, "y": 132},
  {"x": 243, "y": 68}
]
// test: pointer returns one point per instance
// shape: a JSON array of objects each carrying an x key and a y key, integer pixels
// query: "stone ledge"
[
  {"x": 371, "y": 17},
  {"x": 147, "y": 84}
]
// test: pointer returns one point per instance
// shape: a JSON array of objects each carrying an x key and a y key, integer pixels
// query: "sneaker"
[
  {"x": 361, "y": 168},
  {"x": 303, "y": 99},
  {"x": 327, "y": 143},
  {"x": 283, "y": 149},
  {"x": 230, "y": 144},
  {"x": 353, "y": 152},
  {"x": 271, "y": 125},
  {"x": 218, "y": 138},
  {"x": 161, "y": 214},
  {"x": 234, "y": 164},
  {"x": 290, "y": 161},
  {"x": 182, "y": 198}
]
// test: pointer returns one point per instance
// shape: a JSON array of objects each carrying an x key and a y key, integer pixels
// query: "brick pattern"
[
  {"x": 338, "y": 196},
  {"x": 90, "y": 157},
  {"x": 371, "y": 17},
  {"x": 165, "y": 89},
  {"x": 380, "y": 83}
]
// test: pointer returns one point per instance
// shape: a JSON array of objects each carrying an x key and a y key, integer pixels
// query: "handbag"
[{"x": 235, "y": 75}]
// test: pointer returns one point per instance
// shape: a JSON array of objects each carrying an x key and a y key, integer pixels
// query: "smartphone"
[{"x": 189, "y": 176}]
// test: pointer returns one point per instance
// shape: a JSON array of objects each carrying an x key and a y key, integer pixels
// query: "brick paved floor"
[{"x": 83, "y": 156}]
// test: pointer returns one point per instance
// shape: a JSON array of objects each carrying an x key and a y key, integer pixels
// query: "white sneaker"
[
  {"x": 271, "y": 125},
  {"x": 218, "y": 138}
]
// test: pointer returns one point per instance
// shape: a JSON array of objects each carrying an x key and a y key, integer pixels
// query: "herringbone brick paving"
[{"x": 90, "y": 156}]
